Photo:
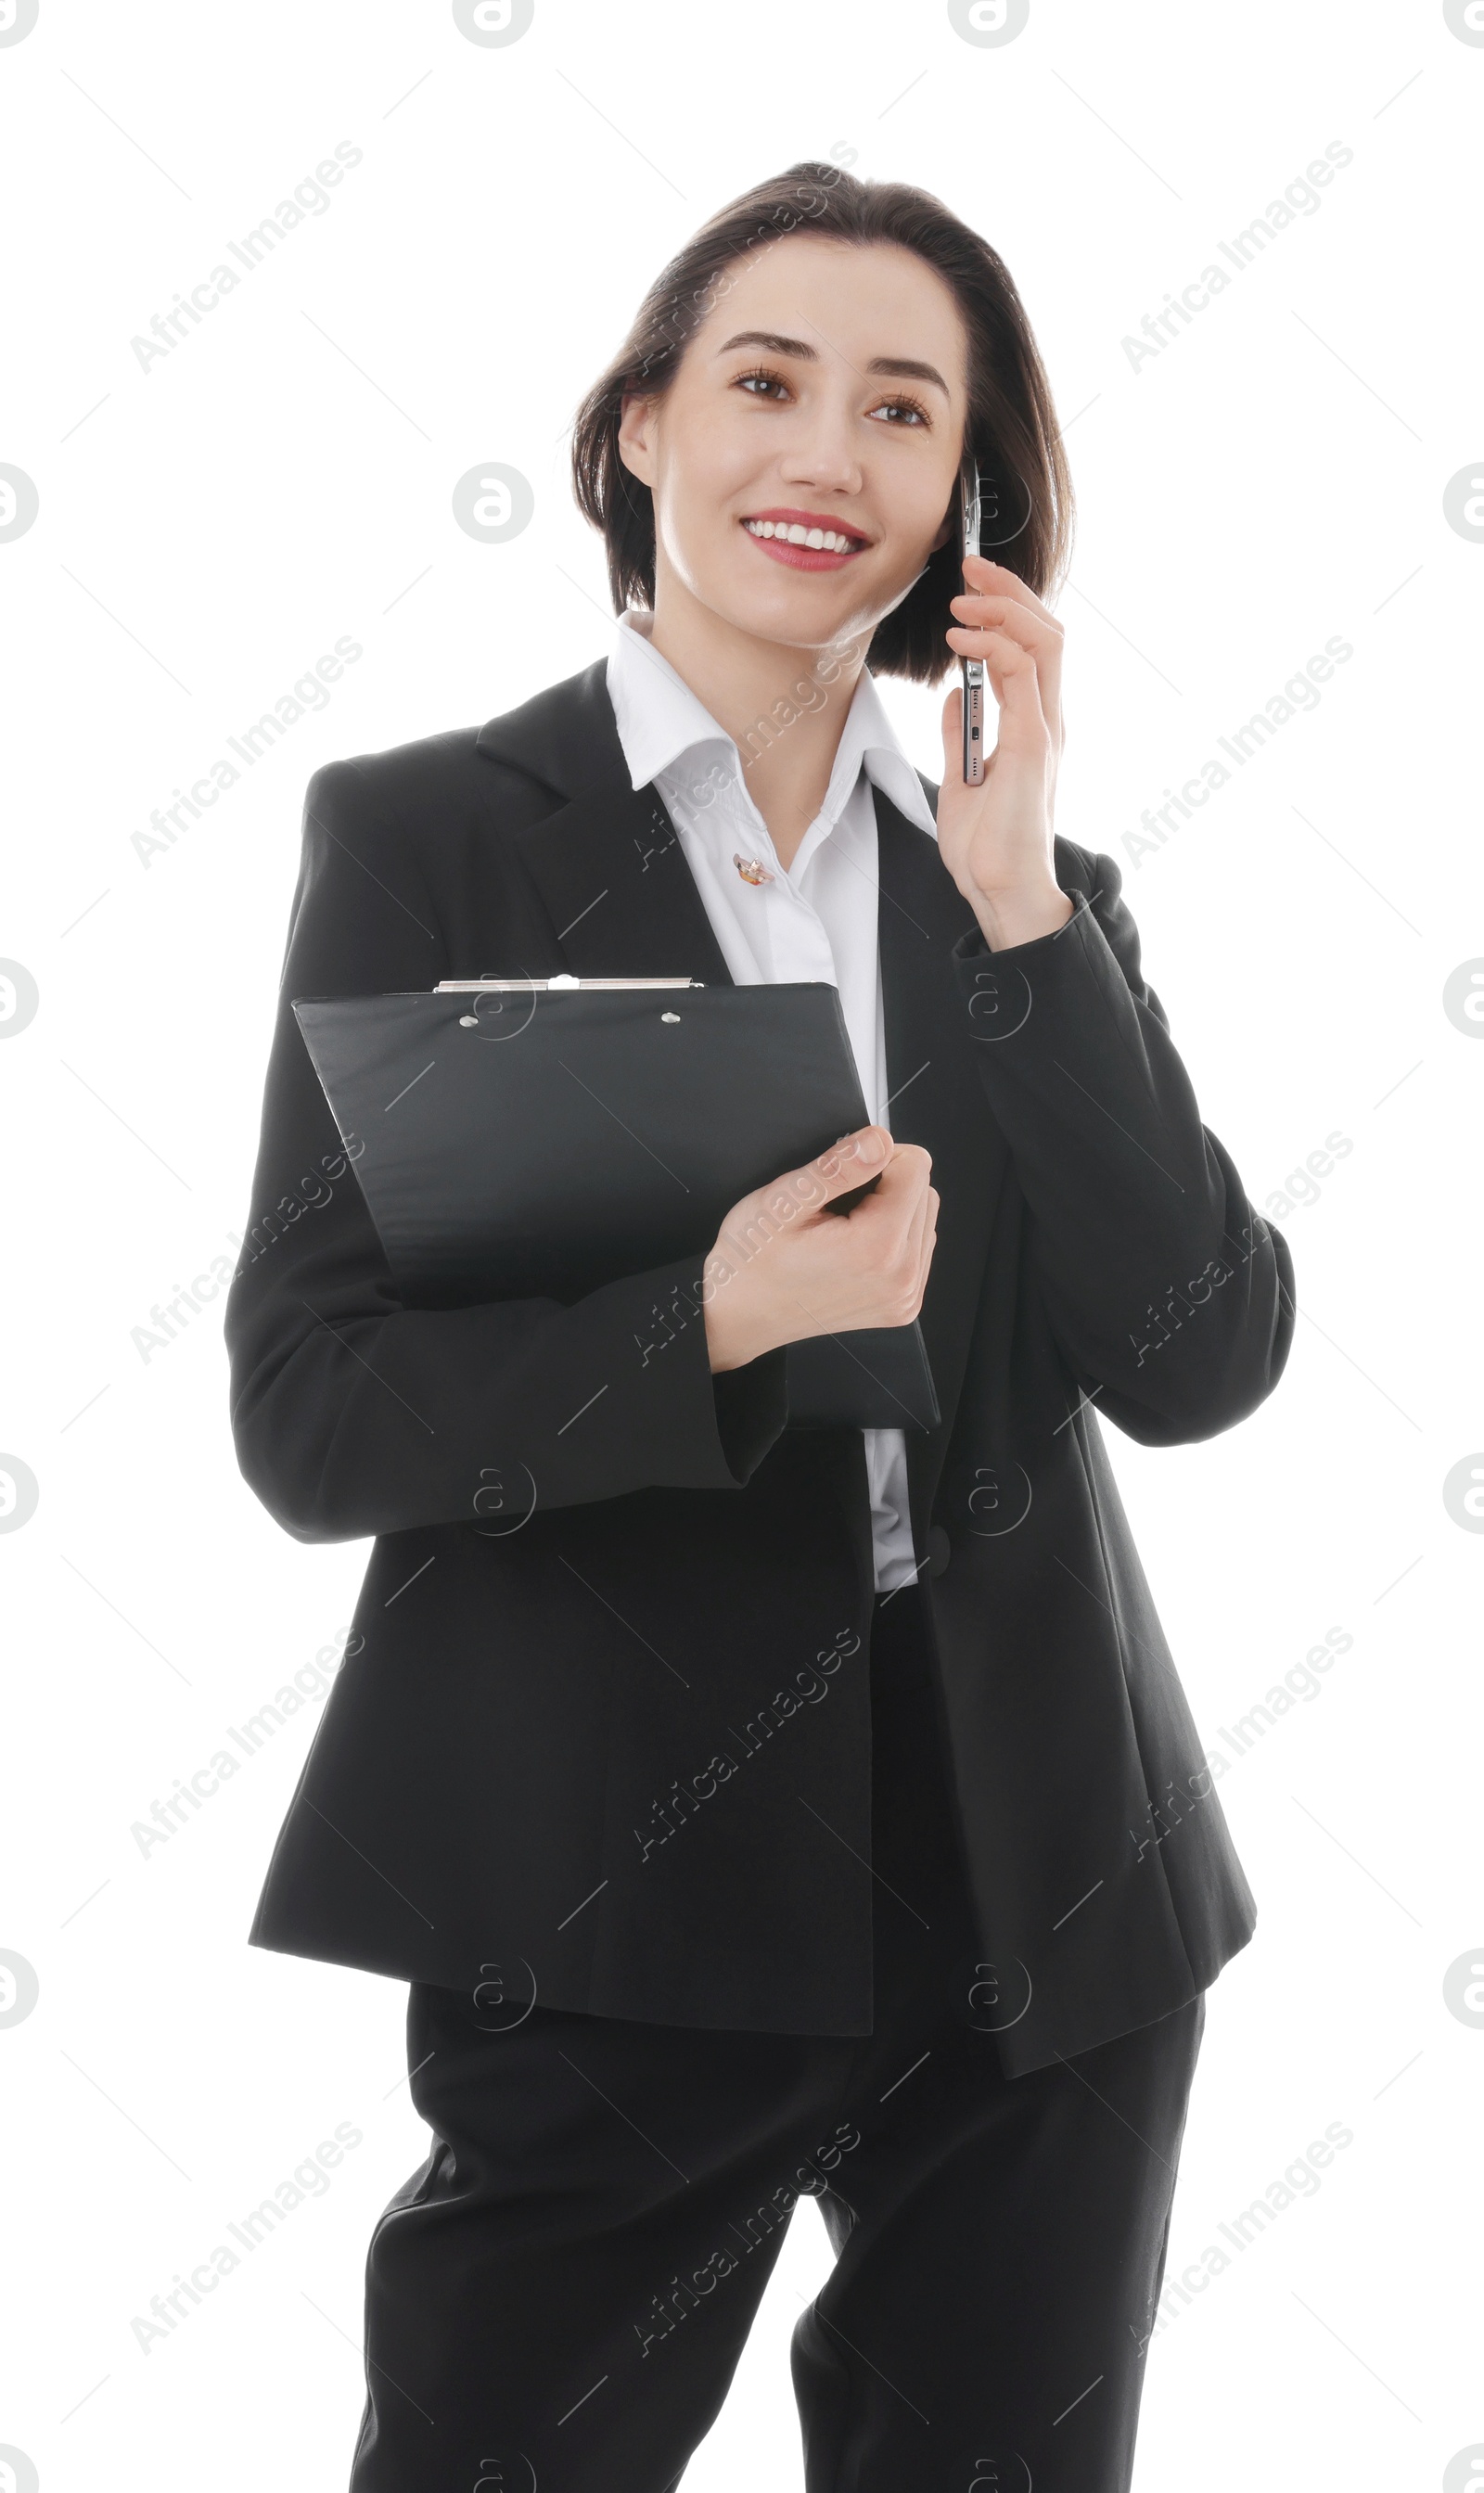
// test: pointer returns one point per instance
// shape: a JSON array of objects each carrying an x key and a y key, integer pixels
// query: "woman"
[{"x": 760, "y": 1811}]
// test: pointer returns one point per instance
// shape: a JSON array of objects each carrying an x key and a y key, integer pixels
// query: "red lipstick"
[{"x": 782, "y": 541}]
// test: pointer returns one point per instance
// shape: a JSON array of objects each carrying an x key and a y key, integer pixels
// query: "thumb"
[{"x": 850, "y": 1163}]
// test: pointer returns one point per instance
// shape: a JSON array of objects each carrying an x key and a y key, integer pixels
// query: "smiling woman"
[
  {"x": 971, "y": 1907},
  {"x": 979, "y": 392},
  {"x": 869, "y": 357}
]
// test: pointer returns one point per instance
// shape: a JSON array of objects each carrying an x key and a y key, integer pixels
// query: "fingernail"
[{"x": 869, "y": 1146}]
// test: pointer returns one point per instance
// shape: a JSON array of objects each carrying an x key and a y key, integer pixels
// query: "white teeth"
[{"x": 791, "y": 532}]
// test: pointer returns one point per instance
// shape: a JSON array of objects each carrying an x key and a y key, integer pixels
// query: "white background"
[{"x": 207, "y": 528}]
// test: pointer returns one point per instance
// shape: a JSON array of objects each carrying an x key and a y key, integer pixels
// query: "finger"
[
  {"x": 982, "y": 573},
  {"x": 913, "y": 1158},
  {"x": 917, "y": 1235},
  {"x": 1015, "y": 680},
  {"x": 923, "y": 1240},
  {"x": 1039, "y": 633},
  {"x": 895, "y": 1271},
  {"x": 930, "y": 1235},
  {"x": 882, "y": 1222},
  {"x": 852, "y": 1161},
  {"x": 926, "y": 1222},
  {"x": 981, "y": 576},
  {"x": 1043, "y": 639},
  {"x": 904, "y": 1184},
  {"x": 922, "y": 1243},
  {"x": 994, "y": 606}
]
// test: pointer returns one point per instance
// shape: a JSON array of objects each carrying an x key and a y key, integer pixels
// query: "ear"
[{"x": 636, "y": 436}]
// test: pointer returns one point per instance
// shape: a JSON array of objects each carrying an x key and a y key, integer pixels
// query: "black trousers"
[{"x": 557, "y": 2301}]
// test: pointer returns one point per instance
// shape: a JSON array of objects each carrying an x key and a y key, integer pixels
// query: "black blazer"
[{"x": 603, "y": 1727}]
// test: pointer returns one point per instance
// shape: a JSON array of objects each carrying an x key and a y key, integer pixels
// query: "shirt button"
[{"x": 940, "y": 1550}]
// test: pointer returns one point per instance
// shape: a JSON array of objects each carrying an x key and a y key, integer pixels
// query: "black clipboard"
[{"x": 519, "y": 1138}]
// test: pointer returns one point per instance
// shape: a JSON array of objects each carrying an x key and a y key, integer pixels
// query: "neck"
[{"x": 783, "y": 706}]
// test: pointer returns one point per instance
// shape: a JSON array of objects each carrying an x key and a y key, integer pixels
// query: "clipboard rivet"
[
  {"x": 669, "y": 1016},
  {"x": 468, "y": 1021}
]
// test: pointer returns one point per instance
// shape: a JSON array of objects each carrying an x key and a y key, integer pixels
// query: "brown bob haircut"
[{"x": 1011, "y": 428}]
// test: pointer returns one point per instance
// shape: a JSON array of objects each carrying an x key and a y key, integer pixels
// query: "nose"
[{"x": 823, "y": 452}]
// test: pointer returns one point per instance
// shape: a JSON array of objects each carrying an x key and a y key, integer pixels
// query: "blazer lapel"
[
  {"x": 620, "y": 896},
  {"x": 936, "y": 1098},
  {"x": 611, "y": 872}
]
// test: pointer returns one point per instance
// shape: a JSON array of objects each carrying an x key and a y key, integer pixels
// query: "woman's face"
[{"x": 825, "y": 390}]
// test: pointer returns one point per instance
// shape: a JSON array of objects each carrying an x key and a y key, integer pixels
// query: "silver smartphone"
[{"x": 973, "y": 669}]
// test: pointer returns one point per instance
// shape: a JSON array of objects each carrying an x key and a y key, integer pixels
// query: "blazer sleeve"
[
  {"x": 355, "y": 1415},
  {"x": 1172, "y": 1299}
]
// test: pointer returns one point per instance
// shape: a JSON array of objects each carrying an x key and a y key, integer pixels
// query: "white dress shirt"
[{"x": 814, "y": 920}]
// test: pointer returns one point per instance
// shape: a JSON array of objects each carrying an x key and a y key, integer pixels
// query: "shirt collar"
[{"x": 659, "y": 718}]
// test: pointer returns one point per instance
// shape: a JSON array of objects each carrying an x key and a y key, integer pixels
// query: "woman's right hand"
[{"x": 785, "y": 1267}]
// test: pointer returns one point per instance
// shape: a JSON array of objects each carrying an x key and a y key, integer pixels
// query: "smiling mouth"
[{"x": 802, "y": 543}]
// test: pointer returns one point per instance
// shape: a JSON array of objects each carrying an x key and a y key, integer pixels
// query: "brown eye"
[{"x": 766, "y": 382}]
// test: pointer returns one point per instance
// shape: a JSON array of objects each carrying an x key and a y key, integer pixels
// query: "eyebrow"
[{"x": 896, "y": 367}]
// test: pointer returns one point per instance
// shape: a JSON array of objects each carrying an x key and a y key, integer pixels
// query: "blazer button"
[{"x": 940, "y": 1550}]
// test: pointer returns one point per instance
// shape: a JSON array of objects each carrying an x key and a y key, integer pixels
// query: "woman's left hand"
[{"x": 995, "y": 839}]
